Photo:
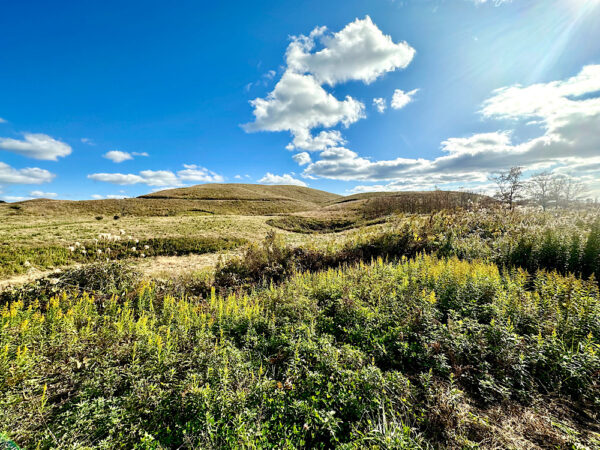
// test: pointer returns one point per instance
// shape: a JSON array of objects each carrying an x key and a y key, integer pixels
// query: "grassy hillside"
[
  {"x": 371, "y": 205},
  {"x": 243, "y": 199},
  {"x": 253, "y": 199},
  {"x": 250, "y": 192}
]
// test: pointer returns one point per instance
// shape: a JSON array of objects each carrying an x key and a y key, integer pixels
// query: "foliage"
[
  {"x": 570, "y": 244},
  {"x": 299, "y": 224},
  {"x": 405, "y": 355},
  {"x": 19, "y": 259}
]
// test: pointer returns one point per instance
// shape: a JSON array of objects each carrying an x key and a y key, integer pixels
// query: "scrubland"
[{"x": 350, "y": 326}]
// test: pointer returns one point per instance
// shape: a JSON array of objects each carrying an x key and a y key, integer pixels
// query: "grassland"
[{"x": 424, "y": 321}]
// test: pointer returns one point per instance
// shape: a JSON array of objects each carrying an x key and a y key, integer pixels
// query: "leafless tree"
[
  {"x": 573, "y": 190},
  {"x": 540, "y": 187},
  {"x": 565, "y": 190},
  {"x": 510, "y": 185}
]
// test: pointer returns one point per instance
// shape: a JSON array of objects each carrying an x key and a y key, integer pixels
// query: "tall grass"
[
  {"x": 565, "y": 243},
  {"x": 404, "y": 355},
  {"x": 19, "y": 259}
]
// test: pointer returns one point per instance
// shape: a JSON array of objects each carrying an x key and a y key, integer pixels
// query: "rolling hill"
[{"x": 240, "y": 199}]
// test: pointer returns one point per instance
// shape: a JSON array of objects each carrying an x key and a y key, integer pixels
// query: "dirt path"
[
  {"x": 31, "y": 275},
  {"x": 164, "y": 267},
  {"x": 160, "y": 267}
]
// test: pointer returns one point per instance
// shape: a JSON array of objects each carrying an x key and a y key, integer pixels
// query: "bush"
[
  {"x": 101, "y": 278},
  {"x": 413, "y": 355}
]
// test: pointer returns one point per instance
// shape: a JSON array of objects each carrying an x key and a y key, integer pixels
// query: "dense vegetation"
[
  {"x": 567, "y": 243},
  {"x": 19, "y": 259},
  {"x": 450, "y": 329},
  {"x": 403, "y": 355}
]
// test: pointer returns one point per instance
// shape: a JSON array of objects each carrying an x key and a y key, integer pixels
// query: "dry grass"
[
  {"x": 248, "y": 192},
  {"x": 208, "y": 199}
]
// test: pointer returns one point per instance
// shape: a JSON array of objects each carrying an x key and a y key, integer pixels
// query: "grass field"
[{"x": 426, "y": 321}]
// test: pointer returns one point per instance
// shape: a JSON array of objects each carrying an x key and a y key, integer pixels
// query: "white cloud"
[
  {"x": 30, "y": 175},
  {"x": 42, "y": 194},
  {"x": 325, "y": 139},
  {"x": 117, "y": 156},
  {"x": 110, "y": 196},
  {"x": 285, "y": 179},
  {"x": 2, "y": 120},
  {"x": 87, "y": 141},
  {"x": 149, "y": 177},
  {"x": 196, "y": 173},
  {"x": 495, "y": 2},
  {"x": 191, "y": 172},
  {"x": 302, "y": 159},
  {"x": 15, "y": 198},
  {"x": 568, "y": 112},
  {"x": 37, "y": 146},
  {"x": 299, "y": 103},
  {"x": 380, "y": 104},
  {"x": 400, "y": 98},
  {"x": 342, "y": 164},
  {"x": 360, "y": 51}
]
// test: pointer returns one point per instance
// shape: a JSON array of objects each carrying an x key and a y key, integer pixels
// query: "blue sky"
[{"x": 121, "y": 98}]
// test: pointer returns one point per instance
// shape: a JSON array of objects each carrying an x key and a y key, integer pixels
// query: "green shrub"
[{"x": 410, "y": 354}]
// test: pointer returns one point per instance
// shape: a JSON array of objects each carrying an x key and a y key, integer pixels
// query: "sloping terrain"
[
  {"x": 250, "y": 192},
  {"x": 242, "y": 199},
  {"x": 371, "y": 205}
]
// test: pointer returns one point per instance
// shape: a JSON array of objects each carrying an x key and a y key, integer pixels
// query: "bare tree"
[
  {"x": 557, "y": 186},
  {"x": 510, "y": 185},
  {"x": 565, "y": 190},
  {"x": 540, "y": 188},
  {"x": 573, "y": 189}
]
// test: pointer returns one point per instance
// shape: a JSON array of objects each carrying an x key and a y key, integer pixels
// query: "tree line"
[{"x": 545, "y": 189}]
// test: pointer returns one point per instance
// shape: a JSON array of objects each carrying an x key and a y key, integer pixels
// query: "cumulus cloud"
[
  {"x": 87, "y": 141},
  {"x": 400, "y": 98},
  {"x": 37, "y": 146},
  {"x": 343, "y": 164},
  {"x": 325, "y": 139},
  {"x": 15, "y": 198},
  {"x": 42, "y": 194},
  {"x": 302, "y": 159},
  {"x": 285, "y": 179},
  {"x": 568, "y": 112},
  {"x": 29, "y": 175},
  {"x": 360, "y": 51},
  {"x": 299, "y": 102},
  {"x": 109, "y": 196},
  {"x": 149, "y": 177},
  {"x": 117, "y": 156},
  {"x": 191, "y": 172},
  {"x": 380, "y": 104}
]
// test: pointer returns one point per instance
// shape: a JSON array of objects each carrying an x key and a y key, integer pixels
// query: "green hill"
[{"x": 242, "y": 199}]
